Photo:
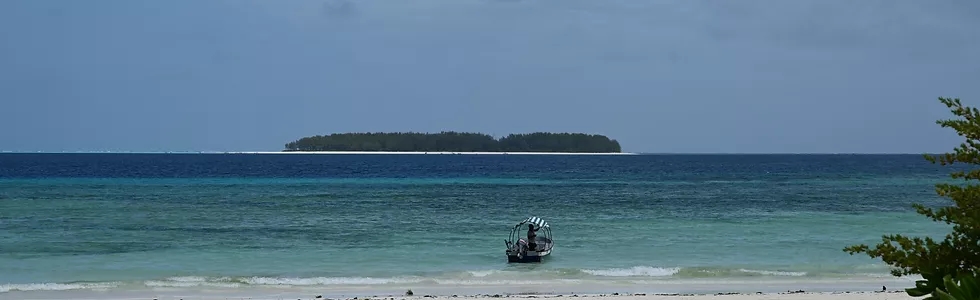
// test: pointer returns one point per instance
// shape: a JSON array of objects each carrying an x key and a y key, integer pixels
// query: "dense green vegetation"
[
  {"x": 457, "y": 142},
  {"x": 955, "y": 259}
]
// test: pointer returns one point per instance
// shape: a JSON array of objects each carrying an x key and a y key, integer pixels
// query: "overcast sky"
[{"x": 659, "y": 76}]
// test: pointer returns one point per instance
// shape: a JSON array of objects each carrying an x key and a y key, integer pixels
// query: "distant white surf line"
[{"x": 423, "y": 153}]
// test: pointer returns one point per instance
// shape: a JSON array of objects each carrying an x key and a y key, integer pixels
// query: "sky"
[{"x": 683, "y": 76}]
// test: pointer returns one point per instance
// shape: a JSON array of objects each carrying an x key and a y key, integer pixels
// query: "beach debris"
[
  {"x": 409, "y": 293},
  {"x": 319, "y": 296}
]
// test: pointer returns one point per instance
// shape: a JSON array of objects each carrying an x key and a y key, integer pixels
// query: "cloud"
[{"x": 338, "y": 8}]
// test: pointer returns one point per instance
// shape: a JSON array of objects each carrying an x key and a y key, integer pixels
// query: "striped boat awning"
[{"x": 538, "y": 222}]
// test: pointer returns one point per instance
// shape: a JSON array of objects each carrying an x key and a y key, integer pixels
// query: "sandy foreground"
[
  {"x": 639, "y": 296},
  {"x": 841, "y": 289}
]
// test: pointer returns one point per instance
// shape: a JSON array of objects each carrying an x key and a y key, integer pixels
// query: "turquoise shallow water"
[{"x": 126, "y": 221}]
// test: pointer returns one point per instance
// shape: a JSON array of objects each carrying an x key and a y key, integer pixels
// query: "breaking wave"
[
  {"x": 465, "y": 278},
  {"x": 56, "y": 286}
]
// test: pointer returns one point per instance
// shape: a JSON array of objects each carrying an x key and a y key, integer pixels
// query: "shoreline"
[
  {"x": 161, "y": 294},
  {"x": 845, "y": 289}
]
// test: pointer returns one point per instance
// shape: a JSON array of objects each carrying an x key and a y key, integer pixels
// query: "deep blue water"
[
  {"x": 131, "y": 221},
  {"x": 631, "y": 167}
]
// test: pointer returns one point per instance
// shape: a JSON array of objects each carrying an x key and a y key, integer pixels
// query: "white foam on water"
[
  {"x": 640, "y": 275},
  {"x": 773, "y": 273},
  {"x": 55, "y": 286},
  {"x": 457, "y": 282},
  {"x": 229, "y": 282},
  {"x": 634, "y": 271},
  {"x": 193, "y": 281},
  {"x": 326, "y": 281},
  {"x": 483, "y": 273}
]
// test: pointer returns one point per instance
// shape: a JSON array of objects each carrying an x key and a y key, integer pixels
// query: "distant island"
[{"x": 450, "y": 141}]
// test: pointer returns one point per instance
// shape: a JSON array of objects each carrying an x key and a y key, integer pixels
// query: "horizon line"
[{"x": 462, "y": 153}]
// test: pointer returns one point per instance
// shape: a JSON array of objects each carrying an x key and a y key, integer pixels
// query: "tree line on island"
[{"x": 451, "y": 141}]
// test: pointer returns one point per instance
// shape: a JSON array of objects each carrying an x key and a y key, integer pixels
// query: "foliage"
[
  {"x": 946, "y": 287},
  {"x": 963, "y": 288},
  {"x": 957, "y": 254},
  {"x": 456, "y": 142}
]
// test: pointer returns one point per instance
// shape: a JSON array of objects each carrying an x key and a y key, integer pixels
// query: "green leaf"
[
  {"x": 952, "y": 289},
  {"x": 945, "y": 265},
  {"x": 944, "y": 296},
  {"x": 970, "y": 287}
]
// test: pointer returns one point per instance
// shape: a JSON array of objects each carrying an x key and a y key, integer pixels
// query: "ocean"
[{"x": 360, "y": 224}]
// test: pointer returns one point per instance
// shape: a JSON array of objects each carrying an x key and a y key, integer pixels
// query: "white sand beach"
[
  {"x": 841, "y": 289},
  {"x": 789, "y": 295}
]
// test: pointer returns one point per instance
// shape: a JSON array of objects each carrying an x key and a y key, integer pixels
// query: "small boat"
[{"x": 520, "y": 250}]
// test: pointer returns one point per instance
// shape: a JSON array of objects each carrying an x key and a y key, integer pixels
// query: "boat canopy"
[{"x": 538, "y": 222}]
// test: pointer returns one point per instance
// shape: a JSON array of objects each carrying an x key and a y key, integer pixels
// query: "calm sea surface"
[{"x": 148, "y": 221}]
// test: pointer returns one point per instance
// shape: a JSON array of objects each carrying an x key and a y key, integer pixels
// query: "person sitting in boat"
[{"x": 531, "y": 235}]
